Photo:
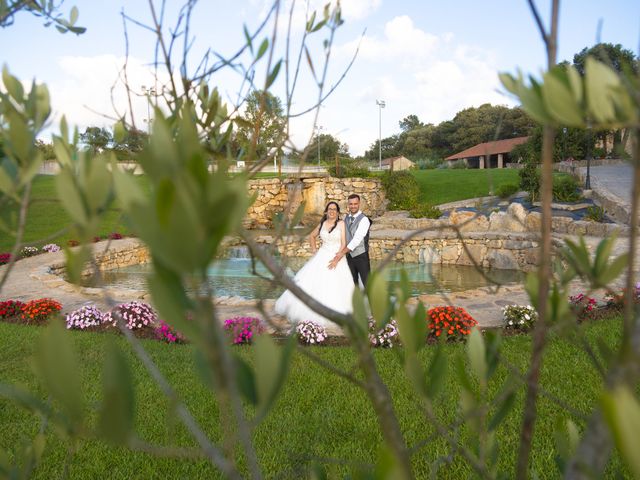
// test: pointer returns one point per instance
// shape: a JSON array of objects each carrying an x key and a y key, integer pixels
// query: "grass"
[
  {"x": 450, "y": 185},
  {"x": 46, "y": 217},
  {"x": 316, "y": 416}
]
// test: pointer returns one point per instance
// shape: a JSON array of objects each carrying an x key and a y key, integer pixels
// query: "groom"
[{"x": 357, "y": 248}]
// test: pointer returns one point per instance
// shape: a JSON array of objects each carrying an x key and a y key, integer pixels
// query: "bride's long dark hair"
[{"x": 324, "y": 217}]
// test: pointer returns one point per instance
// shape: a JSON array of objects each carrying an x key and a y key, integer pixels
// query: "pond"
[{"x": 234, "y": 277}]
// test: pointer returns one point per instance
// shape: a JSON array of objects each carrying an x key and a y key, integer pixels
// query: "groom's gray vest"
[{"x": 352, "y": 226}]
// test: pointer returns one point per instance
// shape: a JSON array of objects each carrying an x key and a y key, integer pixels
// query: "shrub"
[
  {"x": 506, "y": 190},
  {"x": 51, "y": 248},
  {"x": 10, "y": 308},
  {"x": 349, "y": 168},
  {"x": 385, "y": 337},
  {"x": 530, "y": 180},
  {"x": 310, "y": 333},
  {"x": 425, "y": 210},
  {"x": 594, "y": 213},
  {"x": 137, "y": 315},
  {"x": 582, "y": 306},
  {"x": 29, "y": 252},
  {"x": 38, "y": 311},
  {"x": 519, "y": 317},
  {"x": 243, "y": 329},
  {"x": 454, "y": 322},
  {"x": 402, "y": 190},
  {"x": 115, "y": 236},
  {"x": 167, "y": 333},
  {"x": 458, "y": 165},
  {"x": 566, "y": 189},
  {"x": 5, "y": 258},
  {"x": 85, "y": 317}
]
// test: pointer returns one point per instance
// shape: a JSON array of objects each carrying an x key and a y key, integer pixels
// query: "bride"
[{"x": 331, "y": 287}]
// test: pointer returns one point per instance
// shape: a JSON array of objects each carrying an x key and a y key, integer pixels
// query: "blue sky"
[{"x": 429, "y": 58}]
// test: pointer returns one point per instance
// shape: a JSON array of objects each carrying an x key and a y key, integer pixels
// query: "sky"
[{"x": 430, "y": 58}]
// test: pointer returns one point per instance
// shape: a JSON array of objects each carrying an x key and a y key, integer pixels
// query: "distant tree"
[
  {"x": 261, "y": 127},
  {"x": 410, "y": 122},
  {"x": 133, "y": 141},
  {"x": 622, "y": 60},
  {"x": 45, "y": 148},
  {"x": 389, "y": 149},
  {"x": 617, "y": 56},
  {"x": 96, "y": 138},
  {"x": 326, "y": 145}
]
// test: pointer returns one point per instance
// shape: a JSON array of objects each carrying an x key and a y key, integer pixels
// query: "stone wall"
[
  {"x": 275, "y": 195},
  {"x": 121, "y": 253}
]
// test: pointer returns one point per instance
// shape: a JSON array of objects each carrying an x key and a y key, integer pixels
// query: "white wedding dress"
[{"x": 333, "y": 288}]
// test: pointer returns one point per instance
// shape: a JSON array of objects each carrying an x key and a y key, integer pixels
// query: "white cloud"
[{"x": 417, "y": 72}]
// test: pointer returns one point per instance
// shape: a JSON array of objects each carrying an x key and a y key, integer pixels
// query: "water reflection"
[{"x": 236, "y": 277}]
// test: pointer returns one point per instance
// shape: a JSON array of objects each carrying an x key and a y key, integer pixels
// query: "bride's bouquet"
[{"x": 310, "y": 333}]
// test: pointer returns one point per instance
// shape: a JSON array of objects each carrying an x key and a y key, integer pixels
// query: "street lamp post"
[
  {"x": 587, "y": 182},
  {"x": 381, "y": 104},
  {"x": 147, "y": 93},
  {"x": 318, "y": 128}
]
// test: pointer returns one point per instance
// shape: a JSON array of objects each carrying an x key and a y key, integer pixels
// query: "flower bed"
[
  {"x": 454, "y": 323},
  {"x": 242, "y": 330},
  {"x": 310, "y": 333},
  {"x": 39, "y": 311}
]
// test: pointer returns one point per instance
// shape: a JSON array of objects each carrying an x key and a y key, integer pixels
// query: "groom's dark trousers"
[{"x": 359, "y": 265}]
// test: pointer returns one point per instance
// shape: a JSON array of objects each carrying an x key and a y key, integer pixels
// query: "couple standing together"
[{"x": 336, "y": 268}]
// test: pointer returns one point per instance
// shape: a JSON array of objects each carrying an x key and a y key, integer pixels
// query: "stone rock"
[
  {"x": 502, "y": 221},
  {"x": 475, "y": 255},
  {"x": 517, "y": 211},
  {"x": 533, "y": 222},
  {"x": 450, "y": 254},
  {"x": 560, "y": 224},
  {"x": 502, "y": 259}
]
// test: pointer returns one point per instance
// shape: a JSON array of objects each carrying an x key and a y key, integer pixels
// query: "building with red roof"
[{"x": 488, "y": 154}]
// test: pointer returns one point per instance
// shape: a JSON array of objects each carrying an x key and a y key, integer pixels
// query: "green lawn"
[
  {"x": 449, "y": 185},
  {"x": 317, "y": 415},
  {"x": 46, "y": 216}
]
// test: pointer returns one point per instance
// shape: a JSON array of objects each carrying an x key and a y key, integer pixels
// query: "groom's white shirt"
[{"x": 361, "y": 231}]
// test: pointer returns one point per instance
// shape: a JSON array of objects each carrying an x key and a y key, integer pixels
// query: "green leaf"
[
  {"x": 622, "y": 412},
  {"x": 247, "y": 37},
  {"x": 283, "y": 359},
  {"x": 614, "y": 269},
  {"x": 477, "y": 355},
  {"x": 575, "y": 84},
  {"x": 62, "y": 152},
  {"x": 73, "y": 15},
  {"x": 25, "y": 399},
  {"x": 20, "y": 139},
  {"x": 262, "y": 49},
  {"x": 600, "y": 82},
  {"x": 13, "y": 85},
  {"x": 533, "y": 102},
  {"x": 559, "y": 100},
  {"x": 119, "y": 131},
  {"x": 57, "y": 367},
  {"x": 70, "y": 196},
  {"x": 165, "y": 200},
  {"x": 118, "y": 402},
  {"x": 273, "y": 74},
  {"x": 359, "y": 315},
  {"x": 437, "y": 374},
  {"x": 266, "y": 366},
  {"x": 76, "y": 262},
  {"x": 415, "y": 372},
  {"x": 128, "y": 191},
  {"x": 377, "y": 291},
  {"x": 98, "y": 184},
  {"x": 406, "y": 329},
  {"x": 532, "y": 286},
  {"x": 245, "y": 379}
]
